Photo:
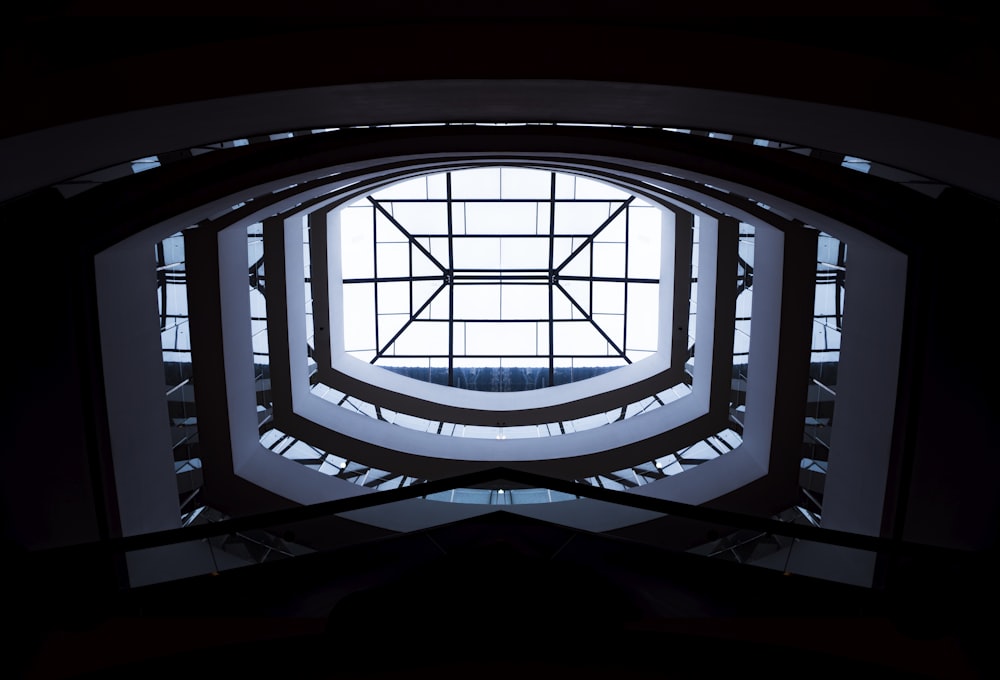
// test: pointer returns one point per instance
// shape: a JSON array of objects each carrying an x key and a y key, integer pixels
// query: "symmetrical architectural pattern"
[{"x": 478, "y": 281}]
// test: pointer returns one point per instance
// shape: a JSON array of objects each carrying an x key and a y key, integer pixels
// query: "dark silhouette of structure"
[{"x": 498, "y": 593}]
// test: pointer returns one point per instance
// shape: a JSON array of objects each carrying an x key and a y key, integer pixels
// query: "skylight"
[{"x": 500, "y": 278}]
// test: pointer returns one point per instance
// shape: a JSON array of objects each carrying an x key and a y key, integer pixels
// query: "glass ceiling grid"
[{"x": 490, "y": 262}]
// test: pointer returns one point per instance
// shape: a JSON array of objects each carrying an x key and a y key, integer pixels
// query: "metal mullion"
[
  {"x": 471, "y": 278},
  {"x": 503, "y": 200},
  {"x": 606, "y": 279},
  {"x": 393, "y": 279},
  {"x": 407, "y": 234},
  {"x": 552, "y": 282},
  {"x": 409, "y": 253},
  {"x": 495, "y": 235},
  {"x": 539, "y": 272},
  {"x": 590, "y": 238},
  {"x": 375, "y": 274},
  {"x": 450, "y": 281},
  {"x": 625, "y": 301},
  {"x": 590, "y": 283},
  {"x": 592, "y": 323},
  {"x": 492, "y": 320}
]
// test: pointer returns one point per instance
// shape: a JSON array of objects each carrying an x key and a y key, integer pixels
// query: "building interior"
[{"x": 205, "y": 478}]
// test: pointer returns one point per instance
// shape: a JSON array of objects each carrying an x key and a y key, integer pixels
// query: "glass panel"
[
  {"x": 477, "y": 301},
  {"x": 643, "y": 316},
  {"x": 393, "y": 298},
  {"x": 524, "y": 253},
  {"x": 609, "y": 298},
  {"x": 613, "y": 326},
  {"x": 525, "y": 183},
  {"x": 609, "y": 259},
  {"x": 500, "y": 218},
  {"x": 578, "y": 338},
  {"x": 501, "y": 272},
  {"x": 412, "y": 188},
  {"x": 565, "y": 186},
  {"x": 526, "y": 301},
  {"x": 544, "y": 217},
  {"x": 437, "y": 186},
  {"x": 440, "y": 251},
  {"x": 580, "y": 218},
  {"x": 423, "y": 338},
  {"x": 359, "y": 312},
  {"x": 393, "y": 259},
  {"x": 388, "y": 326},
  {"x": 579, "y": 291},
  {"x": 580, "y": 263},
  {"x": 422, "y": 292},
  {"x": 562, "y": 307},
  {"x": 590, "y": 189},
  {"x": 644, "y": 234},
  {"x": 477, "y": 253},
  {"x": 476, "y": 183},
  {"x": 357, "y": 256},
  {"x": 422, "y": 218},
  {"x": 386, "y": 231},
  {"x": 501, "y": 339},
  {"x": 615, "y": 231}
]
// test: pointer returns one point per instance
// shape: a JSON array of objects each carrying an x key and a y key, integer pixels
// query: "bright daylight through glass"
[{"x": 500, "y": 279}]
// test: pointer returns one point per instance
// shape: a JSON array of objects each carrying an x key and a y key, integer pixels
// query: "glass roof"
[{"x": 501, "y": 278}]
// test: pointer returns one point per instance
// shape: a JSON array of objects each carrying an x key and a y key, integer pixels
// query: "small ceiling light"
[{"x": 500, "y": 491}]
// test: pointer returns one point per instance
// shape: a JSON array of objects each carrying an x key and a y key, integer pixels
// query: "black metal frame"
[{"x": 451, "y": 276}]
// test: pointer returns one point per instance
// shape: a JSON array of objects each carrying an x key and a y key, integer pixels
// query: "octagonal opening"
[{"x": 500, "y": 279}]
